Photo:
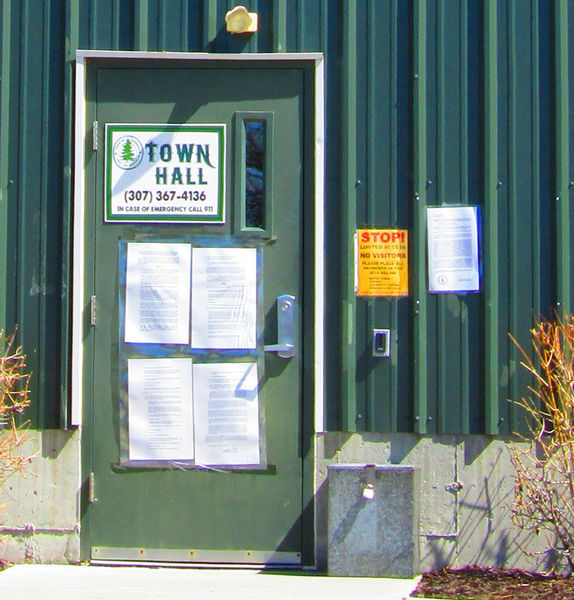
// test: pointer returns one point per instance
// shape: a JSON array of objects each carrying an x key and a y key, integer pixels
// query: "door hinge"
[
  {"x": 95, "y": 136},
  {"x": 93, "y": 310},
  {"x": 92, "y": 488}
]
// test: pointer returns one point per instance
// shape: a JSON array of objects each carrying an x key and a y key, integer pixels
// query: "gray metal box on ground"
[{"x": 373, "y": 520}]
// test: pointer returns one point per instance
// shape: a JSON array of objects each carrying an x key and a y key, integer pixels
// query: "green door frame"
[{"x": 86, "y": 137}]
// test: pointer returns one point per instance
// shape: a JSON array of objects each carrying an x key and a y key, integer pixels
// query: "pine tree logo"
[{"x": 128, "y": 152}]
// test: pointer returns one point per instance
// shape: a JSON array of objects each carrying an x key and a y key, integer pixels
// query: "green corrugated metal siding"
[
  {"x": 34, "y": 204},
  {"x": 428, "y": 102}
]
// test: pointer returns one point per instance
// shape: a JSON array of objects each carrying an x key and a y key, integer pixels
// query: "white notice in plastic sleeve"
[
  {"x": 224, "y": 294},
  {"x": 157, "y": 293},
  {"x": 160, "y": 409},
  {"x": 226, "y": 414},
  {"x": 453, "y": 259}
]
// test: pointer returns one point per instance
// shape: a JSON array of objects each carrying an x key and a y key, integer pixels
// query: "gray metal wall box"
[{"x": 373, "y": 520}]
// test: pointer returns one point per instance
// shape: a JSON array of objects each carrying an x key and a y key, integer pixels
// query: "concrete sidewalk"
[{"x": 48, "y": 582}]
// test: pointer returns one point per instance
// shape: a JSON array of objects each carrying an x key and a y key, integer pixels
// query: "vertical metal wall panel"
[
  {"x": 504, "y": 172},
  {"x": 422, "y": 400},
  {"x": 427, "y": 103},
  {"x": 383, "y": 201},
  {"x": 354, "y": 413},
  {"x": 7, "y": 56},
  {"x": 569, "y": 192},
  {"x": 562, "y": 127},
  {"x": 534, "y": 175},
  {"x": 521, "y": 161},
  {"x": 52, "y": 210},
  {"x": 449, "y": 177},
  {"x": 363, "y": 392},
  {"x": 473, "y": 383},
  {"x": 335, "y": 238},
  {"x": 431, "y": 108},
  {"x": 310, "y": 31},
  {"x": 10, "y": 140},
  {"x": 279, "y": 25},
  {"x": 31, "y": 225},
  {"x": 406, "y": 311},
  {"x": 379, "y": 184},
  {"x": 546, "y": 184},
  {"x": 490, "y": 229}
]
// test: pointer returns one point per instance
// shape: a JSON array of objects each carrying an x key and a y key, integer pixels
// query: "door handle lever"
[
  {"x": 281, "y": 349},
  {"x": 285, "y": 346}
]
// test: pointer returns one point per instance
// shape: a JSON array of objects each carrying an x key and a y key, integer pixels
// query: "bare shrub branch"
[
  {"x": 544, "y": 485},
  {"x": 14, "y": 399}
]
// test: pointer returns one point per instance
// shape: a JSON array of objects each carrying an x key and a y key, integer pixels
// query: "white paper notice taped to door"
[
  {"x": 157, "y": 293},
  {"x": 160, "y": 409},
  {"x": 226, "y": 414},
  {"x": 453, "y": 258},
  {"x": 224, "y": 295}
]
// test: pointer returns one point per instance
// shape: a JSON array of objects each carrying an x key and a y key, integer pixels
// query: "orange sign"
[{"x": 382, "y": 264}]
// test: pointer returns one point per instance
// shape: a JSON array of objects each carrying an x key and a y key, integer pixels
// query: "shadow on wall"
[
  {"x": 485, "y": 533},
  {"x": 322, "y": 525},
  {"x": 54, "y": 441}
]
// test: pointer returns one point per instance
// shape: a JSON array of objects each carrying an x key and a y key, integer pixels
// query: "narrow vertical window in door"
[
  {"x": 254, "y": 174},
  {"x": 254, "y": 152}
]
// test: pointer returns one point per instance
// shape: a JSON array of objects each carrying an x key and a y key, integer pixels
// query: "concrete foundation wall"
[
  {"x": 466, "y": 490},
  {"x": 40, "y": 519}
]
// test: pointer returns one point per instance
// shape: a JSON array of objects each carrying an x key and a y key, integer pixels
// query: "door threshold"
[
  {"x": 197, "y": 565},
  {"x": 254, "y": 559}
]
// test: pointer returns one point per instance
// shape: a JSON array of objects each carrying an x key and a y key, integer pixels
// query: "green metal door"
[{"x": 180, "y": 511}]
